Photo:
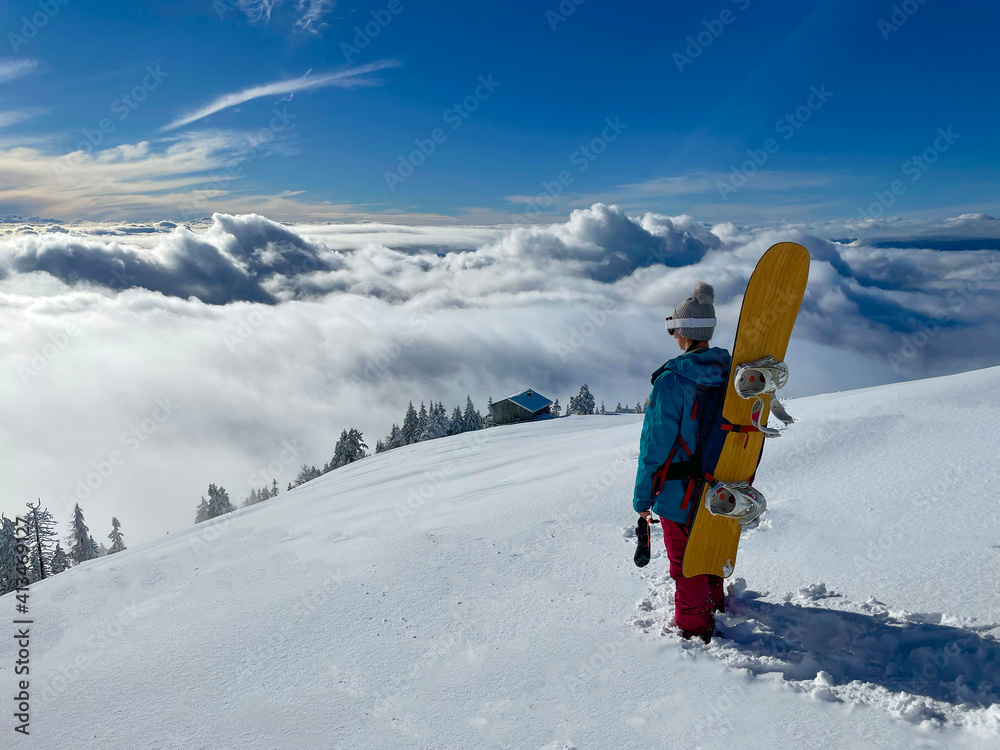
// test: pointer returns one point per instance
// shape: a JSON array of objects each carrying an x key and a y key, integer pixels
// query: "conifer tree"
[
  {"x": 602, "y": 408},
  {"x": 274, "y": 487},
  {"x": 117, "y": 540},
  {"x": 59, "y": 560},
  {"x": 8, "y": 555},
  {"x": 618, "y": 408},
  {"x": 82, "y": 547},
  {"x": 409, "y": 433},
  {"x": 202, "y": 513},
  {"x": 555, "y": 409},
  {"x": 473, "y": 419},
  {"x": 457, "y": 425},
  {"x": 218, "y": 502},
  {"x": 41, "y": 540}
]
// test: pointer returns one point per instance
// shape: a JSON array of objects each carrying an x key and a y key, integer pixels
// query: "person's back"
[{"x": 670, "y": 438}]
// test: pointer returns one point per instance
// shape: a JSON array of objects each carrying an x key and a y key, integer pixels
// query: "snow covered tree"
[
  {"x": 350, "y": 447},
  {"x": 618, "y": 408},
  {"x": 289, "y": 489},
  {"x": 639, "y": 408},
  {"x": 307, "y": 474},
  {"x": 555, "y": 409},
  {"x": 472, "y": 419},
  {"x": 117, "y": 540},
  {"x": 41, "y": 540},
  {"x": 202, "y": 513},
  {"x": 423, "y": 421},
  {"x": 218, "y": 501},
  {"x": 82, "y": 547},
  {"x": 8, "y": 555},
  {"x": 437, "y": 423},
  {"x": 59, "y": 560},
  {"x": 602, "y": 408},
  {"x": 99, "y": 549},
  {"x": 457, "y": 423},
  {"x": 274, "y": 487},
  {"x": 409, "y": 432},
  {"x": 583, "y": 403}
]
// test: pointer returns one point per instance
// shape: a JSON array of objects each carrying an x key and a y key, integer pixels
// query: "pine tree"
[
  {"x": 639, "y": 408},
  {"x": 8, "y": 555},
  {"x": 41, "y": 533},
  {"x": 99, "y": 549},
  {"x": 555, "y": 409},
  {"x": 602, "y": 408},
  {"x": 583, "y": 403},
  {"x": 202, "y": 513},
  {"x": 82, "y": 547},
  {"x": 437, "y": 423},
  {"x": 473, "y": 419},
  {"x": 618, "y": 408},
  {"x": 350, "y": 447},
  {"x": 289, "y": 489},
  {"x": 307, "y": 474},
  {"x": 423, "y": 421},
  {"x": 59, "y": 560},
  {"x": 274, "y": 487},
  {"x": 218, "y": 502},
  {"x": 117, "y": 541},
  {"x": 410, "y": 429},
  {"x": 457, "y": 425}
]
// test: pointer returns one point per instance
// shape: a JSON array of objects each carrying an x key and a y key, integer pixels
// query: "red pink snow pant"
[{"x": 696, "y": 598}]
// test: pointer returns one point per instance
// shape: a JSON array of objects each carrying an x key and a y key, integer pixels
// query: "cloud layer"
[{"x": 262, "y": 332}]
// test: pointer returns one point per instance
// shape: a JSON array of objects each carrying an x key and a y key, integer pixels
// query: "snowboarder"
[{"x": 669, "y": 438}]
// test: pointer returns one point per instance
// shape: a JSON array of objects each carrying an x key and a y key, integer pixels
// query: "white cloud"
[
  {"x": 368, "y": 316},
  {"x": 12, "y": 68},
  {"x": 346, "y": 78},
  {"x": 310, "y": 13}
]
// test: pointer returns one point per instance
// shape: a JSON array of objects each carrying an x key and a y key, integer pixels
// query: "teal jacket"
[{"x": 668, "y": 427}]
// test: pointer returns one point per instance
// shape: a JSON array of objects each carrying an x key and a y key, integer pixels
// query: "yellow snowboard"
[{"x": 770, "y": 306}]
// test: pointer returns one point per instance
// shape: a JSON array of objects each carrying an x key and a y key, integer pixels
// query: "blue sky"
[{"x": 557, "y": 78}]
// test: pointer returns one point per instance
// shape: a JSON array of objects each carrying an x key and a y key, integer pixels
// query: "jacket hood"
[{"x": 703, "y": 366}]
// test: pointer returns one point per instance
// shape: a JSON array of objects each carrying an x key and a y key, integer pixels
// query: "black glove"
[{"x": 642, "y": 543}]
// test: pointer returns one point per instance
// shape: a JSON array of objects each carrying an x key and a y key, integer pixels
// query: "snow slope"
[{"x": 478, "y": 591}]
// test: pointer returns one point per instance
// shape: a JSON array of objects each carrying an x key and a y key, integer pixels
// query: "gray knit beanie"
[{"x": 698, "y": 305}]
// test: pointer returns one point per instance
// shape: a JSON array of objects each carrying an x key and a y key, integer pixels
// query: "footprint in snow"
[{"x": 909, "y": 665}]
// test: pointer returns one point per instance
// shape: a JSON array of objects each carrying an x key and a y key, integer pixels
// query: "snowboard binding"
[
  {"x": 735, "y": 500},
  {"x": 754, "y": 380}
]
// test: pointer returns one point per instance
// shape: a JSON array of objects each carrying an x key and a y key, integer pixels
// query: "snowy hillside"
[{"x": 479, "y": 591}]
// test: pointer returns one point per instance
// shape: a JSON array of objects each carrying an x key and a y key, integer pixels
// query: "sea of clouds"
[{"x": 142, "y": 361}]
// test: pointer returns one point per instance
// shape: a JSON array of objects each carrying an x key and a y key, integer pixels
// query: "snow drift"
[{"x": 478, "y": 591}]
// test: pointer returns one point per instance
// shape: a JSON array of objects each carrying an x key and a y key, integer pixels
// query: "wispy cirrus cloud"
[
  {"x": 346, "y": 78},
  {"x": 310, "y": 12},
  {"x": 15, "y": 67}
]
